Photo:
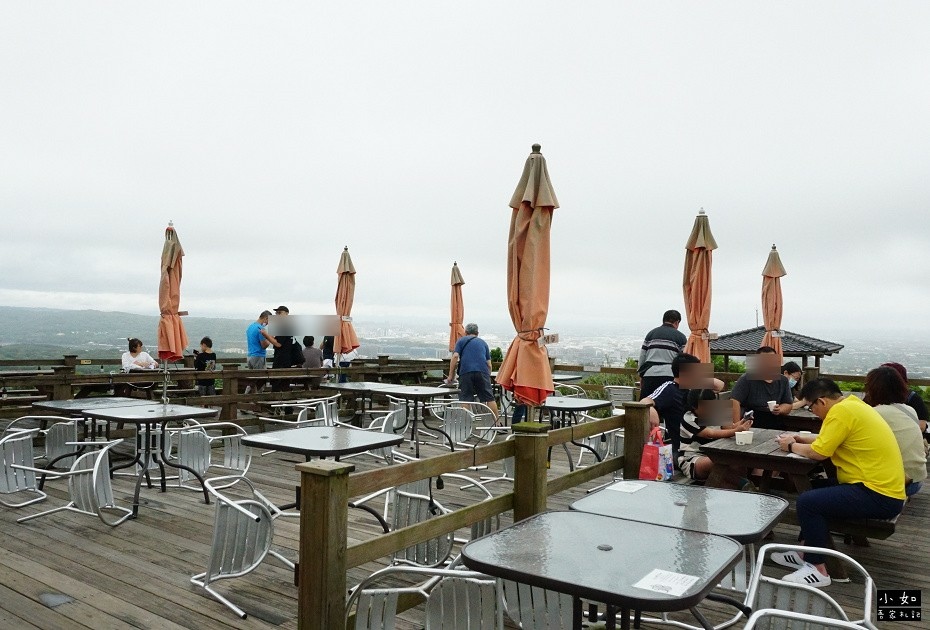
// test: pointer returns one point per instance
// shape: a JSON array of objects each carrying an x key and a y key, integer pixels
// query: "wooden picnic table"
[{"x": 763, "y": 454}]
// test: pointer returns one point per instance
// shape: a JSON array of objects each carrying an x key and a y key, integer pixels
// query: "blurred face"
[
  {"x": 696, "y": 376},
  {"x": 763, "y": 367},
  {"x": 205, "y": 348},
  {"x": 713, "y": 413}
]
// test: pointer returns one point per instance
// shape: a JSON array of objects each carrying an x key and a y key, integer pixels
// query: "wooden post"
[
  {"x": 530, "y": 465},
  {"x": 383, "y": 360},
  {"x": 635, "y": 433},
  {"x": 230, "y": 388},
  {"x": 61, "y": 389},
  {"x": 810, "y": 374},
  {"x": 321, "y": 574},
  {"x": 70, "y": 360}
]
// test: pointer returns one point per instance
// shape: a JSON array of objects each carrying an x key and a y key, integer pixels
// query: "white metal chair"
[
  {"x": 531, "y": 607},
  {"x": 243, "y": 531},
  {"x": 391, "y": 423},
  {"x": 617, "y": 395},
  {"x": 771, "y": 592},
  {"x": 772, "y": 619},
  {"x": 325, "y": 412},
  {"x": 89, "y": 485},
  {"x": 466, "y": 423},
  {"x": 413, "y": 503},
  {"x": 57, "y": 432},
  {"x": 569, "y": 391},
  {"x": 196, "y": 448},
  {"x": 455, "y": 600},
  {"x": 16, "y": 450},
  {"x": 607, "y": 444}
]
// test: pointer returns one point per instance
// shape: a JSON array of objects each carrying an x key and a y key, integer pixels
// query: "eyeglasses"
[{"x": 810, "y": 407}]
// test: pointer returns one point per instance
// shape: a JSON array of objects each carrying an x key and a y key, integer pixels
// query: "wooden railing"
[{"x": 326, "y": 487}]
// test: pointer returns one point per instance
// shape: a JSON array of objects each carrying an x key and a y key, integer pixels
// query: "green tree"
[{"x": 497, "y": 355}]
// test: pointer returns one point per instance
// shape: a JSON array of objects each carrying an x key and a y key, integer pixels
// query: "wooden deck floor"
[{"x": 69, "y": 571}]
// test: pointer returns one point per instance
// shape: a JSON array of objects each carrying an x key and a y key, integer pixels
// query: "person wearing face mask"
[{"x": 792, "y": 372}]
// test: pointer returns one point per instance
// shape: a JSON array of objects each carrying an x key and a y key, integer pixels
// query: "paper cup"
[
  {"x": 772, "y": 404},
  {"x": 744, "y": 437},
  {"x": 805, "y": 432}
]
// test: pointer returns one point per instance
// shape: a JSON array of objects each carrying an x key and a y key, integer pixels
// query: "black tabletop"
[
  {"x": 322, "y": 441},
  {"x": 744, "y": 516},
  {"x": 570, "y": 403},
  {"x": 150, "y": 413},
  {"x": 417, "y": 391},
  {"x": 603, "y": 559},
  {"x": 78, "y": 405}
]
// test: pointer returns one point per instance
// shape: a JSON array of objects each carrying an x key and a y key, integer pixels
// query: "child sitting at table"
[{"x": 701, "y": 424}]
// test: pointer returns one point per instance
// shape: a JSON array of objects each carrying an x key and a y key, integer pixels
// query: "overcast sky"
[{"x": 273, "y": 134}]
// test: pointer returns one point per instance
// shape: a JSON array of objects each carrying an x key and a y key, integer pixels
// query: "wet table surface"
[
  {"x": 358, "y": 386},
  {"x": 568, "y": 403},
  {"x": 603, "y": 558},
  {"x": 79, "y": 405},
  {"x": 146, "y": 414},
  {"x": 417, "y": 392},
  {"x": 744, "y": 516},
  {"x": 322, "y": 441}
]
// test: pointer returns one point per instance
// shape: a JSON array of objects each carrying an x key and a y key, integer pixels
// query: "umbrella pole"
[{"x": 164, "y": 387}]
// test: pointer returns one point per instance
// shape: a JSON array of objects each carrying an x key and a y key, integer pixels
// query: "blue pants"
[{"x": 839, "y": 501}]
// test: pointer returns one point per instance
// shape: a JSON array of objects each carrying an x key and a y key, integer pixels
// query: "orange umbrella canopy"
[
  {"x": 457, "y": 308},
  {"x": 696, "y": 286},
  {"x": 525, "y": 370},
  {"x": 771, "y": 299},
  {"x": 172, "y": 338},
  {"x": 345, "y": 294}
]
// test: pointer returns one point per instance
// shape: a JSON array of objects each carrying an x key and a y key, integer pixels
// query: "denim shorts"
[{"x": 473, "y": 384}]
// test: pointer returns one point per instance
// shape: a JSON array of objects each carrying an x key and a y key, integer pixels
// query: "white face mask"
[{"x": 792, "y": 382}]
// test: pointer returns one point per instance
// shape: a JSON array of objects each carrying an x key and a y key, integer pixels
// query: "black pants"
[{"x": 651, "y": 383}]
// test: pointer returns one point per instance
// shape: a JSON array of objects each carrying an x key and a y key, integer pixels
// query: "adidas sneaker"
[
  {"x": 809, "y": 576},
  {"x": 788, "y": 559}
]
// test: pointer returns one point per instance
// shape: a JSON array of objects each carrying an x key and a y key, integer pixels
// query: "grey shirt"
[{"x": 313, "y": 357}]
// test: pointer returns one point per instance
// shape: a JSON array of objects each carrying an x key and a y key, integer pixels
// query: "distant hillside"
[{"x": 53, "y": 332}]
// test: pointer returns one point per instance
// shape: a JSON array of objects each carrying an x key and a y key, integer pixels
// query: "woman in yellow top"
[{"x": 869, "y": 474}]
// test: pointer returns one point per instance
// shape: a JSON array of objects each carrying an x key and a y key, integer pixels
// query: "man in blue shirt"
[
  {"x": 258, "y": 339},
  {"x": 475, "y": 372}
]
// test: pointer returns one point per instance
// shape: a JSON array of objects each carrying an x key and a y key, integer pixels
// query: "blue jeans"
[{"x": 839, "y": 501}]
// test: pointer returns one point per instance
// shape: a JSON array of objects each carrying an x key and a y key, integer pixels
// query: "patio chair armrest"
[
  {"x": 369, "y": 497},
  {"x": 104, "y": 443},
  {"x": 477, "y": 483},
  {"x": 46, "y": 471}
]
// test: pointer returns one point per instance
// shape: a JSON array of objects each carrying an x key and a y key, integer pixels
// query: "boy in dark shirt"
[
  {"x": 205, "y": 360},
  {"x": 705, "y": 421}
]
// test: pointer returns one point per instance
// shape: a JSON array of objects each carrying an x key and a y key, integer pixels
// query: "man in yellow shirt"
[{"x": 869, "y": 471}]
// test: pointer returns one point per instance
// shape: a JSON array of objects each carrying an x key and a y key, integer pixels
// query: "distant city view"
[{"x": 50, "y": 333}]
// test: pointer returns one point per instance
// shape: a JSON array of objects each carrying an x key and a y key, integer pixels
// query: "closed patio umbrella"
[
  {"x": 457, "y": 308},
  {"x": 525, "y": 370},
  {"x": 172, "y": 338},
  {"x": 696, "y": 286},
  {"x": 347, "y": 341},
  {"x": 772, "y": 300}
]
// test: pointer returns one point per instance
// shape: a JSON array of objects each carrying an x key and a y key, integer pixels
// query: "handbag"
[{"x": 656, "y": 464}]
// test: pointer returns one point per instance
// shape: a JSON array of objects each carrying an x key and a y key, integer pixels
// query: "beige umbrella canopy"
[
  {"x": 457, "y": 308},
  {"x": 525, "y": 370},
  {"x": 172, "y": 338},
  {"x": 772, "y": 300},
  {"x": 345, "y": 295},
  {"x": 696, "y": 286}
]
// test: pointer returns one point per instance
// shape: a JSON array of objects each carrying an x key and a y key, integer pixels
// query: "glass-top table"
[
  {"x": 625, "y": 564},
  {"x": 746, "y": 517},
  {"x": 77, "y": 406},
  {"x": 147, "y": 418},
  {"x": 418, "y": 395},
  {"x": 323, "y": 441}
]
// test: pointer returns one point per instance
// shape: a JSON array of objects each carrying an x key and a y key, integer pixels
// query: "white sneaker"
[
  {"x": 809, "y": 576},
  {"x": 788, "y": 559}
]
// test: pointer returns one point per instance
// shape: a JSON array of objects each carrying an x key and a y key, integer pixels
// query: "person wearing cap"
[
  {"x": 475, "y": 372},
  {"x": 286, "y": 353}
]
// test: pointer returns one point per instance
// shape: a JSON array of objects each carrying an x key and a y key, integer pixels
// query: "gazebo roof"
[{"x": 748, "y": 341}]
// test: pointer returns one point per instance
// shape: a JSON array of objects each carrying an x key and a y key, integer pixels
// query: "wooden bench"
[{"x": 859, "y": 531}]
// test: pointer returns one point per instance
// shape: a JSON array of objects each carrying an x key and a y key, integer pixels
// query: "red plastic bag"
[{"x": 656, "y": 464}]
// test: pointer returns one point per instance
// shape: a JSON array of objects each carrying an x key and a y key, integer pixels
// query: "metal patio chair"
[
  {"x": 771, "y": 592},
  {"x": 196, "y": 449},
  {"x": 531, "y": 607},
  {"x": 243, "y": 531},
  {"x": 617, "y": 395},
  {"x": 16, "y": 450},
  {"x": 455, "y": 600},
  {"x": 770, "y": 619},
  {"x": 89, "y": 485}
]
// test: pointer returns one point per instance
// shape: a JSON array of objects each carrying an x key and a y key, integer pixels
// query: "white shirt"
[{"x": 142, "y": 361}]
